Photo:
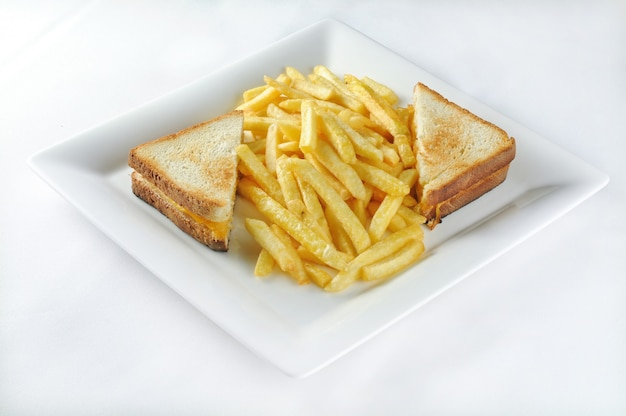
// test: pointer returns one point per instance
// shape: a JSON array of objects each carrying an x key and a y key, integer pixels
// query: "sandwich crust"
[
  {"x": 461, "y": 181},
  {"x": 213, "y": 234},
  {"x": 435, "y": 212}
]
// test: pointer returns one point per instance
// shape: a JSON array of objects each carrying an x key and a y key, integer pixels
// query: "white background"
[{"x": 86, "y": 330}]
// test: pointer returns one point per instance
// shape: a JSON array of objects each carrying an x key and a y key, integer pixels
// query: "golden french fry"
[
  {"x": 319, "y": 227},
  {"x": 260, "y": 101},
  {"x": 356, "y": 120},
  {"x": 397, "y": 223},
  {"x": 343, "y": 95},
  {"x": 308, "y": 133},
  {"x": 394, "y": 263},
  {"x": 260, "y": 124},
  {"x": 405, "y": 150},
  {"x": 294, "y": 105},
  {"x": 358, "y": 235},
  {"x": 382, "y": 90},
  {"x": 343, "y": 279},
  {"x": 383, "y": 215},
  {"x": 259, "y": 172},
  {"x": 377, "y": 106},
  {"x": 342, "y": 171},
  {"x": 376, "y": 252},
  {"x": 409, "y": 201},
  {"x": 330, "y": 178},
  {"x": 338, "y": 234},
  {"x": 257, "y": 146},
  {"x": 285, "y": 89},
  {"x": 272, "y": 152},
  {"x": 359, "y": 207},
  {"x": 405, "y": 114},
  {"x": 287, "y": 180},
  {"x": 310, "y": 199},
  {"x": 289, "y": 222},
  {"x": 283, "y": 253},
  {"x": 264, "y": 263},
  {"x": 318, "y": 91},
  {"x": 253, "y": 92},
  {"x": 316, "y": 274},
  {"x": 275, "y": 111},
  {"x": 372, "y": 135},
  {"x": 293, "y": 73},
  {"x": 409, "y": 176},
  {"x": 411, "y": 216},
  {"x": 337, "y": 137},
  {"x": 380, "y": 179},
  {"x": 290, "y": 129},
  {"x": 360, "y": 144}
]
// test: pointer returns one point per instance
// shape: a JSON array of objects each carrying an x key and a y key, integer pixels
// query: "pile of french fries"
[{"x": 329, "y": 163}]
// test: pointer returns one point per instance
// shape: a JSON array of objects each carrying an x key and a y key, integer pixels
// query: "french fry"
[
  {"x": 264, "y": 264},
  {"x": 376, "y": 252},
  {"x": 294, "y": 105},
  {"x": 293, "y": 73},
  {"x": 380, "y": 179},
  {"x": 274, "y": 111},
  {"x": 358, "y": 235},
  {"x": 257, "y": 146},
  {"x": 343, "y": 95},
  {"x": 397, "y": 223},
  {"x": 394, "y": 263},
  {"x": 260, "y": 124},
  {"x": 382, "y": 90},
  {"x": 259, "y": 172},
  {"x": 272, "y": 152},
  {"x": 383, "y": 215},
  {"x": 405, "y": 150},
  {"x": 409, "y": 176},
  {"x": 311, "y": 200},
  {"x": 377, "y": 106},
  {"x": 279, "y": 215},
  {"x": 308, "y": 133},
  {"x": 330, "y": 178},
  {"x": 361, "y": 145},
  {"x": 289, "y": 188},
  {"x": 338, "y": 234},
  {"x": 283, "y": 253},
  {"x": 321, "y": 92},
  {"x": 356, "y": 120},
  {"x": 290, "y": 148},
  {"x": 359, "y": 207},
  {"x": 253, "y": 92},
  {"x": 411, "y": 216},
  {"x": 316, "y": 274},
  {"x": 286, "y": 89},
  {"x": 260, "y": 101},
  {"x": 338, "y": 138},
  {"x": 342, "y": 171}
]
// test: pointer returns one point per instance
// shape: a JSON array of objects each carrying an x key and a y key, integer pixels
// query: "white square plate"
[{"x": 300, "y": 328}]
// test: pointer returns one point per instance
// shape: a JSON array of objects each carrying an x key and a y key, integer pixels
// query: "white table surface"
[{"x": 86, "y": 330}]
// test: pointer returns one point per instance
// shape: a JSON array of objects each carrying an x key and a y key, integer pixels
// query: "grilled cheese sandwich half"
[{"x": 191, "y": 177}]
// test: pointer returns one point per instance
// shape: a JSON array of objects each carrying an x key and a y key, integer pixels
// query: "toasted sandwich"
[
  {"x": 459, "y": 155},
  {"x": 191, "y": 177}
]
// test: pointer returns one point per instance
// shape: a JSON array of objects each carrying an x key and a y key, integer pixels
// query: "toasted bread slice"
[
  {"x": 193, "y": 174},
  {"x": 459, "y": 155}
]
